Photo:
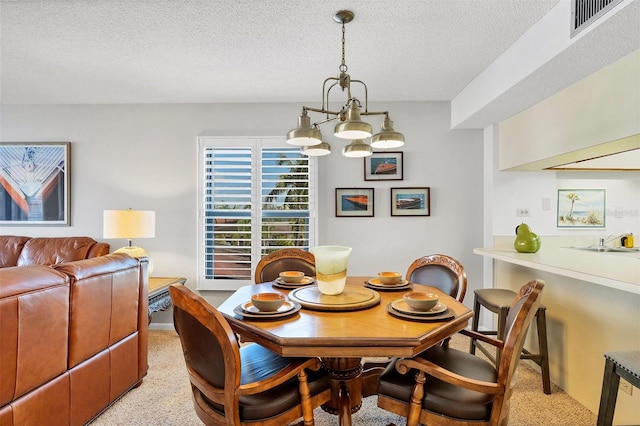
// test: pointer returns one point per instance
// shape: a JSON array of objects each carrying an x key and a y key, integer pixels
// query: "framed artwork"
[
  {"x": 581, "y": 208},
  {"x": 34, "y": 183},
  {"x": 411, "y": 201},
  {"x": 383, "y": 166},
  {"x": 354, "y": 202}
]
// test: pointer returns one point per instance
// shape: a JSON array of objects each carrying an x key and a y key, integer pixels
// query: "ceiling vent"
[{"x": 586, "y": 12}]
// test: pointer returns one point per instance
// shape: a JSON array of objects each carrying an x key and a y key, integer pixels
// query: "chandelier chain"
[{"x": 343, "y": 66}]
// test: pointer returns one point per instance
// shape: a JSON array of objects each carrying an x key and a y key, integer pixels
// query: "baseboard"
[{"x": 164, "y": 326}]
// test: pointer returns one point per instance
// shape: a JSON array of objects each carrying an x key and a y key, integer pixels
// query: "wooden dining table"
[{"x": 341, "y": 338}]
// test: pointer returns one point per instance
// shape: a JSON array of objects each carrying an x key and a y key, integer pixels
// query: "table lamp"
[{"x": 130, "y": 224}]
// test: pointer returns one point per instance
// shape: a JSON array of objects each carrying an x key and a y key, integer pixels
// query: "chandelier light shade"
[
  {"x": 357, "y": 149},
  {"x": 387, "y": 138},
  {"x": 316, "y": 150},
  {"x": 350, "y": 126},
  {"x": 304, "y": 134},
  {"x": 353, "y": 127}
]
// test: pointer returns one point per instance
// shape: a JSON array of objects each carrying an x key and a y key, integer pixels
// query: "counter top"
[{"x": 616, "y": 270}]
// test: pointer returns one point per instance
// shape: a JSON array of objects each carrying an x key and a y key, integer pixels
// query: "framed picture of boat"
[
  {"x": 411, "y": 201},
  {"x": 383, "y": 166},
  {"x": 354, "y": 202}
]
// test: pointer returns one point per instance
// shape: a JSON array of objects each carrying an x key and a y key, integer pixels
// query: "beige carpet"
[{"x": 164, "y": 398}]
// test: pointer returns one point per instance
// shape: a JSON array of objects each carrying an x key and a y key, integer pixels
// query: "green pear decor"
[{"x": 526, "y": 240}]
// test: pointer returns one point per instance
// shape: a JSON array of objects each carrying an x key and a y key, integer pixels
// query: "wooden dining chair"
[
  {"x": 445, "y": 386},
  {"x": 286, "y": 259},
  {"x": 437, "y": 270},
  {"x": 248, "y": 385},
  {"x": 441, "y": 271}
]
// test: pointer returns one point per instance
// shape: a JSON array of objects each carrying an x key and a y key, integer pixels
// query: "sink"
[{"x": 607, "y": 249}]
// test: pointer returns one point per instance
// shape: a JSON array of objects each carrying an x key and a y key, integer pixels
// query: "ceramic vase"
[{"x": 331, "y": 268}]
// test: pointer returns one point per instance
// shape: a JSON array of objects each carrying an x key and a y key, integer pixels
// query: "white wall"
[
  {"x": 515, "y": 190},
  {"x": 144, "y": 157}
]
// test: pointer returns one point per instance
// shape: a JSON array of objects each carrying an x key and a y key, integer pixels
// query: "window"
[{"x": 256, "y": 196}]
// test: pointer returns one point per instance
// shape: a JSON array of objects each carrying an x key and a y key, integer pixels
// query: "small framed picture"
[
  {"x": 411, "y": 201},
  {"x": 581, "y": 208},
  {"x": 354, "y": 202},
  {"x": 383, "y": 166},
  {"x": 34, "y": 183}
]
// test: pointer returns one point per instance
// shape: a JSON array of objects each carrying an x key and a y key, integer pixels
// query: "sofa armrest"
[
  {"x": 10, "y": 249},
  {"x": 34, "y": 319},
  {"x": 98, "y": 249}
]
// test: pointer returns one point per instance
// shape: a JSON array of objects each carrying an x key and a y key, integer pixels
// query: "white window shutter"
[{"x": 256, "y": 196}]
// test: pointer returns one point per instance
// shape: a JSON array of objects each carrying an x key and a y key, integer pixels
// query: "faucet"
[{"x": 603, "y": 242}]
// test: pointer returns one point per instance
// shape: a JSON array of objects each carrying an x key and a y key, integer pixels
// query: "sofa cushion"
[
  {"x": 10, "y": 249},
  {"x": 50, "y": 251}
]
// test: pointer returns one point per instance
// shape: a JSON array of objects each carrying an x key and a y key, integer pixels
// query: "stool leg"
[
  {"x": 474, "y": 323},
  {"x": 544, "y": 350},
  {"x": 609, "y": 394}
]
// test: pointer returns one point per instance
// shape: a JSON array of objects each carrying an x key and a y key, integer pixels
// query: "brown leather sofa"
[
  {"x": 73, "y": 334},
  {"x": 20, "y": 251}
]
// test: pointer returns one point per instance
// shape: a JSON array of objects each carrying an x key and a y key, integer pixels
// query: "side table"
[{"x": 159, "y": 299}]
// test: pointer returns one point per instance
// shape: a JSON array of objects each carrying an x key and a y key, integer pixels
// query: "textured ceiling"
[
  {"x": 212, "y": 51},
  {"x": 126, "y": 51}
]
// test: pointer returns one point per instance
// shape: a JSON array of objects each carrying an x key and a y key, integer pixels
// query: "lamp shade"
[
  {"x": 316, "y": 150},
  {"x": 357, "y": 148},
  {"x": 304, "y": 134},
  {"x": 353, "y": 127},
  {"x": 129, "y": 224},
  {"x": 388, "y": 137}
]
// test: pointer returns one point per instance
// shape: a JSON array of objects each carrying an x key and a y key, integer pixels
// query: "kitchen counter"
[
  {"x": 616, "y": 270},
  {"x": 593, "y": 306}
]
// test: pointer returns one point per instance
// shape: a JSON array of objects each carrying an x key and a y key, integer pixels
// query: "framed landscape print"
[
  {"x": 383, "y": 166},
  {"x": 581, "y": 208},
  {"x": 354, "y": 202},
  {"x": 34, "y": 183},
  {"x": 411, "y": 201}
]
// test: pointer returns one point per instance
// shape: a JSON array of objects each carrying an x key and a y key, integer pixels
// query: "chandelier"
[{"x": 350, "y": 127}]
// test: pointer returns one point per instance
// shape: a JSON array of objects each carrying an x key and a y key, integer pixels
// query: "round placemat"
[{"x": 351, "y": 299}]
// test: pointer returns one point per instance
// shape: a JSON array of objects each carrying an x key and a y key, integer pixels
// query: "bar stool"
[
  {"x": 625, "y": 364},
  {"x": 498, "y": 301}
]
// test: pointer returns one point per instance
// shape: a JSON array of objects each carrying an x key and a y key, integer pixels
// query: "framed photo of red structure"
[{"x": 34, "y": 183}]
